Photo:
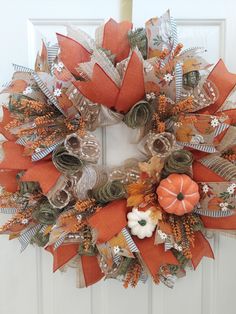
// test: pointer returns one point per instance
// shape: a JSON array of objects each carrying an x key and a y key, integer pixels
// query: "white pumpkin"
[{"x": 140, "y": 223}]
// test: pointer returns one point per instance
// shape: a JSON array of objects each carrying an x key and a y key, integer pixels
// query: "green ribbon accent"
[
  {"x": 109, "y": 192},
  {"x": 66, "y": 162},
  {"x": 40, "y": 239},
  {"x": 45, "y": 214},
  {"x": 179, "y": 161},
  {"x": 139, "y": 115},
  {"x": 138, "y": 38}
]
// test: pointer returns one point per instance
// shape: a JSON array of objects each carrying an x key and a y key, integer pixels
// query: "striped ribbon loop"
[
  {"x": 174, "y": 32},
  {"x": 8, "y": 210},
  {"x": 214, "y": 213},
  {"x": 20, "y": 68},
  {"x": 52, "y": 54},
  {"x": 43, "y": 153},
  {"x": 132, "y": 246},
  {"x": 221, "y": 128},
  {"x": 204, "y": 148},
  {"x": 178, "y": 80},
  {"x": 26, "y": 236},
  {"x": 59, "y": 242}
]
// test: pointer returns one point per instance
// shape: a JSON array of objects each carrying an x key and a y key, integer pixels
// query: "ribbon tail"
[{"x": 201, "y": 248}]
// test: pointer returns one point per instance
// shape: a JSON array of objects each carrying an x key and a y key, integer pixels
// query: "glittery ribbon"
[
  {"x": 45, "y": 214},
  {"x": 109, "y": 192},
  {"x": 66, "y": 162},
  {"x": 180, "y": 161},
  {"x": 160, "y": 144},
  {"x": 138, "y": 115}
]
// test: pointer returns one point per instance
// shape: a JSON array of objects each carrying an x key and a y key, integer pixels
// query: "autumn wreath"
[{"x": 143, "y": 217}]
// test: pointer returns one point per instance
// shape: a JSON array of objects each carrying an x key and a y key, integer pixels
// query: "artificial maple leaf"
[{"x": 152, "y": 167}]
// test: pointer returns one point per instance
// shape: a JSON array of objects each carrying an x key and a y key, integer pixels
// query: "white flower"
[
  {"x": 57, "y": 92},
  {"x": 168, "y": 77},
  {"x": 59, "y": 66},
  {"x": 116, "y": 249},
  {"x": 230, "y": 189},
  {"x": 205, "y": 188},
  {"x": 215, "y": 122},
  {"x": 162, "y": 235},
  {"x": 178, "y": 247},
  {"x": 224, "y": 206},
  {"x": 141, "y": 223},
  {"x": 150, "y": 96},
  {"x": 233, "y": 185},
  {"x": 37, "y": 150},
  {"x": 25, "y": 221},
  {"x": 28, "y": 90}
]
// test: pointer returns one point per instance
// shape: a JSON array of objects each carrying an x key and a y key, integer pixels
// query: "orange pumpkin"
[{"x": 178, "y": 194}]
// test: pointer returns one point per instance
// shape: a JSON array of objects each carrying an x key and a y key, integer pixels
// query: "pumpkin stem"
[
  {"x": 180, "y": 196},
  {"x": 142, "y": 222}
]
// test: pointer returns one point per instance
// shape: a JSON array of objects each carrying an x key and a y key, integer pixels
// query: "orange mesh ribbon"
[
  {"x": 63, "y": 254},
  {"x": 109, "y": 220},
  {"x": 92, "y": 271},
  {"x": 115, "y": 38},
  {"x": 201, "y": 248},
  {"x": 154, "y": 255},
  {"x": 14, "y": 157},
  {"x": 44, "y": 173},
  {"x": 8, "y": 180},
  {"x": 6, "y": 119},
  {"x": 225, "y": 83},
  {"x": 101, "y": 89},
  {"x": 72, "y": 53}
]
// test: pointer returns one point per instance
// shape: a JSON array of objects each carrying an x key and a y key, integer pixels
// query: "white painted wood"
[{"x": 27, "y": 283}]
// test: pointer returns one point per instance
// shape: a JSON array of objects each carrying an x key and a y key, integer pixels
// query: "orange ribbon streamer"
[
  {"x": 101, "y": 89},
  {"x": 43, "y": 172},
  {"x": 153, "y": 255},
  {"x": 225, "y": 83},
  {"x": 201, "y": 248},
  {"x": 92, "y": 271},
  {"x": 110, "y": 220},
  {"x": 8, "y": 180},
  {"x": 72, "y": 53},
  {"x": 63, "y": 254},
  {"x": 115, "y": 38},
  {"x": 14, "y": 157}
]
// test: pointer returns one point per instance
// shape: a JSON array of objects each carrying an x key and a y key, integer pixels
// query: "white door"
[{"x": 27, "y": 284}]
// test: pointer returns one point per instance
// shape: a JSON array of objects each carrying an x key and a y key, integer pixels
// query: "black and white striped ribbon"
[
  {"x": 27, "y": 235},
  {"x": 220, "y": 128},
  {"x": 130, "y": 242},
  {"x": 20, "y": 68},
  {"x": 59, "y": 242},
  {"x": 174, "y": 32},
  {"x": 8, "y": 210},
  {"x": 117, "y": 259},
  {"x": 43, "y": 153},
  {"x": 201, "y": 147},
  {"x": 178, "y": 80},
  {"x": 25, "y": 139},
  {"x": 214, "y": 213},
  {"x": 52, "y": 53},
  {"x": 168, "y": 280}
]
